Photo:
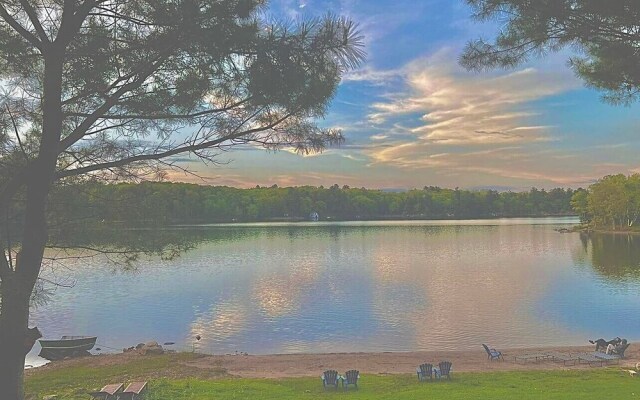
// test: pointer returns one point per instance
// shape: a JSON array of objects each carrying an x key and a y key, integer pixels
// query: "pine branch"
[
  {"x": 192, "y": 148},
  {"x": 30, "y": 37},
  {"x": 33, "y": 17}
]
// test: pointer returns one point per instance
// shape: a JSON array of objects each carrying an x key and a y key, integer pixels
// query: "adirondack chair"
[
  {"x": 108, "y": 392},
  {"x": 133, "y": 391},
  {"x": 330, "y": 378},
  {"x": 350, "y": 378},
  {"x": 621, "y": 348},
  {"x": 492, "y": 354},
  {"x": 425, "y": 371},
  {"x": 444, "y": 369}
]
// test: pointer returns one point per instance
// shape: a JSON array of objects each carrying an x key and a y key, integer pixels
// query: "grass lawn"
[{"x": 168, "y": 380}]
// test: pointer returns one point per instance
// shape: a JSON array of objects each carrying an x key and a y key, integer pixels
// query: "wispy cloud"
[
  {"x": 499, "y": 164},
  {"x": 435, "y": 120},
  {"x": 372, "y": 76},
  {"x": 379, "y": 137},
  {"x": 458, "y": 108},
  {"x": 454, "y": 122},
  {"x": 293, "y": 8}
]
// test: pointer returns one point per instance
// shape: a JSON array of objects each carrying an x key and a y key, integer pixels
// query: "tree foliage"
[
  {"x": 605, "y": 35},
  {"x": 613, "y": 202},
  {"x": 166, "y": 203}
]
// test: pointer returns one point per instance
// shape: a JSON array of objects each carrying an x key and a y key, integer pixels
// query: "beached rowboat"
[{"x": 67, "y": 346}]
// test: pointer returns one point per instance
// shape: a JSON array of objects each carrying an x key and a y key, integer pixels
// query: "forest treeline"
[
  {"x": 612, "y": 203},
  {"x": 189, "y": 203}
]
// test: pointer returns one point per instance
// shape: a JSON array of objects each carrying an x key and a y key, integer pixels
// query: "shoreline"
[
  {"x": 278, "y": 366},
  {"x": 609, "y": 232},
  {"x": 371, "y": 219}
]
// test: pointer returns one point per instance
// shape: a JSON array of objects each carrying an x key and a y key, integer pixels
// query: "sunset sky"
[{"x": 412, "y": 117}]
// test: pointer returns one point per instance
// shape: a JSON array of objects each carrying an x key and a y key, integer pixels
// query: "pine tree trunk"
[
  {"x": 17, "y": 289},
  {"x": 16, "y": 292},
  {"x": 14, "y": 316}
]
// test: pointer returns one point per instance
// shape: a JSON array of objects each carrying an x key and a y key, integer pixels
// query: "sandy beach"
[{"x": 300, "y": 365}]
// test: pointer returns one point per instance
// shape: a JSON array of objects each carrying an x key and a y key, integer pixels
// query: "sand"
[{"x": 300, "y": 365}]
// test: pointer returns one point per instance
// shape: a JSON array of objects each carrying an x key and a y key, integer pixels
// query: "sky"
[{"x": 412, "y": 117}]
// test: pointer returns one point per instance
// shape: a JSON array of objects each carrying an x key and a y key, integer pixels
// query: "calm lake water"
[{"x": 358, "y": 286}]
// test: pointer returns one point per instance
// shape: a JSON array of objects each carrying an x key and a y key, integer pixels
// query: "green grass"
[{"x": 169, "y": 380}]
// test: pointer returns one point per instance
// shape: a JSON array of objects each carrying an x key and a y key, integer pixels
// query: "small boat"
[{"x": 67, "y": 346}]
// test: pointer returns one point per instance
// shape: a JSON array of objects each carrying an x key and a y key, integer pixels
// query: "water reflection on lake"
[{"x": 380, "y": 286}]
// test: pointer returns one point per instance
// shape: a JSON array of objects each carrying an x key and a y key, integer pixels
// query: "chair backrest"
[
  {"x": 135, "y": 387},
  {"x": 426, "y": 369},
  {"x": 352, "y": 376},
  {"x": 620, "y": 349},
  {"x": 112, "y": 389},
  {"x": 445, "y": 367},
  {"x": 330, "y": 376},
  {"x": 486, "y": 348}
]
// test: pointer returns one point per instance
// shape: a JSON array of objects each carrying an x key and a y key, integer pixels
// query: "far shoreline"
[{"x": 293, "y": 222}]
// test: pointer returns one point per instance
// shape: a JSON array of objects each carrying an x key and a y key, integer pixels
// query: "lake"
[{"x": 356, "y": 286}]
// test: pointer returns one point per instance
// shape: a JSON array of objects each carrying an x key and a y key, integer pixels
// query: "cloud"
[
  {"x": 292, "y": 9},
  {"x": 501, "y": 164},
  {"x": 203, "y": 175},
  {"x": 379, "y": 20},
  {"x": 373, "y": 76},
  {"x": 454, "y": 122},
  {"x": 379, "y": 137},
  {"x": 457, "y": 108}
]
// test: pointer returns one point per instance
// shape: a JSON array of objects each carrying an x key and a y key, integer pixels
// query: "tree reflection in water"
[{"x": 613, "y": 256}]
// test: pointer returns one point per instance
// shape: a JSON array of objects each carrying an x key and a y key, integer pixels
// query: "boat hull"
[{"x": 68, "y": 346}]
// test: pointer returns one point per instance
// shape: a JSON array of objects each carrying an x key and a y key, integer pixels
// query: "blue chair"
[
  {"x": 350, "y": 378},
  {"x": 425, "y": 371},
  {"x": 492, "y": 354},
  {"x": 444, "y": 369},
  {"x": 330, "y": 378}
]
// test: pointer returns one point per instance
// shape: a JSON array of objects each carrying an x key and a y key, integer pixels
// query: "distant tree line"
[
  {"x": 612, "y": 203},
  {"x": 164, "y": 203}
]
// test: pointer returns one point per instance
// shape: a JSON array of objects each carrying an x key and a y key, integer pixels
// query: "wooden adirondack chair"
[
  {"x": 350, "y": 378},
  {"x": 621, "y": 348},
  {"x": 133, "y": 391},
  {"x": 425, "y": 371},
  {"x": 444, "y": 369},
  {"x": 108, "y": 392},
  {"x": 330, "y": 378},
  {"x": 492, "y": 354}
]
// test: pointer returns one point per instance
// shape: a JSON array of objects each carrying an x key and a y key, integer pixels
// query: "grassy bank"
[{"x": 170, "y": 379}]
